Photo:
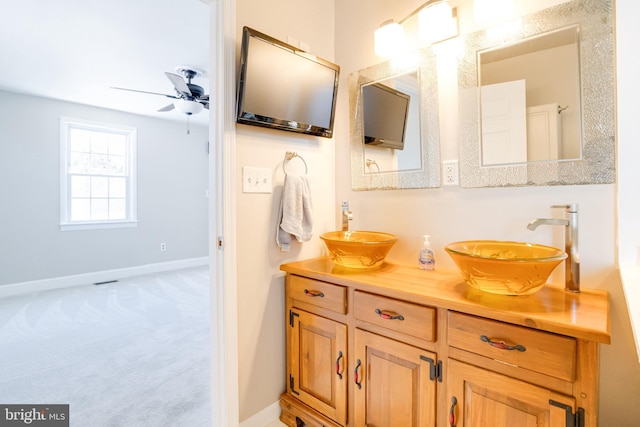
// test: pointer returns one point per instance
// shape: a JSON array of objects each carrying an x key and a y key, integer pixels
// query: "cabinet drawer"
[
  {"x": 320, "y": 294},
  {"x": 539, "y": 351},
  {"x": 400, "y": 316}
]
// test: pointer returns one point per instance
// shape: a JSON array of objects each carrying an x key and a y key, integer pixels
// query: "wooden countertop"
[{"x": 583, "y": 315}]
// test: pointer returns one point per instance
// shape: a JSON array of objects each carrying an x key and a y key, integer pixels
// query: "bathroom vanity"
[{"x": 399, "y": 346}]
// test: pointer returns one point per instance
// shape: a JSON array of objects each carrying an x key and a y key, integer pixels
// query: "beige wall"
[
  {"x": 261, "y": 320},
  {"x": 452, "y": 213}
]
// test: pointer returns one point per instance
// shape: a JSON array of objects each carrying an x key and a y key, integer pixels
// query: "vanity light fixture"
[{"x": 437, "y": 21}]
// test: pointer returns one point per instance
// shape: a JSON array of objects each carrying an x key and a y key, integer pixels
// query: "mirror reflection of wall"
[
  {"x": 391, "y": 124},
  {"x": 530, "y": 99}
]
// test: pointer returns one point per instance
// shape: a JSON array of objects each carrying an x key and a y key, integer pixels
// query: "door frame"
[{"x": 222, "y": 205}]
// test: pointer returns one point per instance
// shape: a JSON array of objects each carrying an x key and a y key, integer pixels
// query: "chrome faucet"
[
  {"x": 572, "y": 263},
  {"x": 346, "y": 215}
]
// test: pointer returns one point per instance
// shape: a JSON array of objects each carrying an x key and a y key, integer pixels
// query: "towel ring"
[
  {"x": 370, "y": 163},
  {"x": 290, "y": 155}
]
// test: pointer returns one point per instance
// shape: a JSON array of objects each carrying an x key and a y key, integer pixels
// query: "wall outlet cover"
[{"x": 450, "y": 175}]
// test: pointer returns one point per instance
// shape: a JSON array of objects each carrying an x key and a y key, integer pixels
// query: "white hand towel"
[{"x": 295, "y": 213}]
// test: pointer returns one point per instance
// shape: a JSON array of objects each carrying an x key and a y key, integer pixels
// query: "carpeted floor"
[{"x": 131, "y": 353}]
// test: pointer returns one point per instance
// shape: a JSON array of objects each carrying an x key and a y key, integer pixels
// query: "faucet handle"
[{"x": 570, "y": 207}]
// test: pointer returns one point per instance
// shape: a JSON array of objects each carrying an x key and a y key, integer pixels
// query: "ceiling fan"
[{"x": 189, "y": 98}]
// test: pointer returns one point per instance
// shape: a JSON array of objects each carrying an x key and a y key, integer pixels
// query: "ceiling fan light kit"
[
  {"x": 189, "y": 98},
  {"x": 188, "y": 107}
]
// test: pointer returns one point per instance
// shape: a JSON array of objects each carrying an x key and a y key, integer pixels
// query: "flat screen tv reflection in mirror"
[
  {"x": 285, "y": 88},
  {"x": 385, "y": 112}
]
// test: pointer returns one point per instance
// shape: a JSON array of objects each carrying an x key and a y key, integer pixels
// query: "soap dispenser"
[{"x": 426, "y": 260}]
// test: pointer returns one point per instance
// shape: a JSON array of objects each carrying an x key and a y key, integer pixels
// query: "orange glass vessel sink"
[
  {"x": 506, "y": 268},
  {"x": 358, "y": 249}
]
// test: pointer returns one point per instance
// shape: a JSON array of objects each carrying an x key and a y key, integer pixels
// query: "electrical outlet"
[
  {"x": 163, "y": 247},
  {"x": 256, "y": 180},
  {"x": 450, "y": 172}
]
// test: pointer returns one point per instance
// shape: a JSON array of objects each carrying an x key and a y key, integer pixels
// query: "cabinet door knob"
[
  {"x": 501, "y": 344},
  {"x": 388, "y": 314}
]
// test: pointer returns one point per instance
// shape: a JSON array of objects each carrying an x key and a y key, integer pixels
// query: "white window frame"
[{"x": 131, "y": 220}]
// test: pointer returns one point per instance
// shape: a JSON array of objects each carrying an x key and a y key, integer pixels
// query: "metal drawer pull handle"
[
  {"x": 313, "y": 293},
  {"x": 502, "y": 345},
  {"x": 338, "y": 365},
  {"x": 387, "y": 314},
  {"x": 452, "y": 413},
  {"x": 356, "y": 377}
]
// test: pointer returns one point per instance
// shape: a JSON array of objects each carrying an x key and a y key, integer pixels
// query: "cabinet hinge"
[
  {"x": 572, "y": 420},
  {"x": 291, "y": 382},
  {"x": 292, "y": 316},
  {"x": 435, "y": 368}
]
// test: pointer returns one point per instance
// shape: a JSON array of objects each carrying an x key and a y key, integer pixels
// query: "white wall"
[
  {"x": 452, "y": 213},
  {"x": 172, "y": 206},
  {"x": 261, "y": 320},
  {"x": 628, "y": 154}
]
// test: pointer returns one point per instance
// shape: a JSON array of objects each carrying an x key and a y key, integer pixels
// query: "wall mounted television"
[
  {"x": 283, "y": 87},
  {"x": 385, "y": 111}
]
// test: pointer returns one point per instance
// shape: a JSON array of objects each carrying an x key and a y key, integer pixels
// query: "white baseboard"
[
  {"x": 98, "y": 276},
  {"x": 264, "y": 418}
]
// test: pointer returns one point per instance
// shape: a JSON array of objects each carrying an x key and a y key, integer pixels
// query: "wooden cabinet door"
[
  {"x": 394, "y": 383},
  {"x": 317, "y": 361},
  {"x": 481, "y": 398}
]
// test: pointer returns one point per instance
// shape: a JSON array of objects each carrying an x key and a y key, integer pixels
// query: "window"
[{"x": 98, "y": 175}]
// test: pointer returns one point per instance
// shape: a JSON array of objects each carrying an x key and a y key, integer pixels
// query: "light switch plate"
[{"x": 256, "y": 180}]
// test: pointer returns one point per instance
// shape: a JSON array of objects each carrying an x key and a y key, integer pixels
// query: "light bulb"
[
  {"x": 388, "y": 38},
  {"x": 436, "y": 22}
]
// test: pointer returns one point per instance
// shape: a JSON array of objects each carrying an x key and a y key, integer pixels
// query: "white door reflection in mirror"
[
  {"x": 548, "y": 66},
  {"x": 504, "y": 123}
]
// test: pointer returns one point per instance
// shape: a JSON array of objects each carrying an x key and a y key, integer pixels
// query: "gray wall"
[{"x": 172, "y": 206}]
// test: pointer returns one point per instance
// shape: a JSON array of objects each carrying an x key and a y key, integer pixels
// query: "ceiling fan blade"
[
  {"x": 204, "y": 98},
  {"x": 142, "y": 91},
  {"x": 178, "y": 83},
  {"x": 167, "y": 108}
]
